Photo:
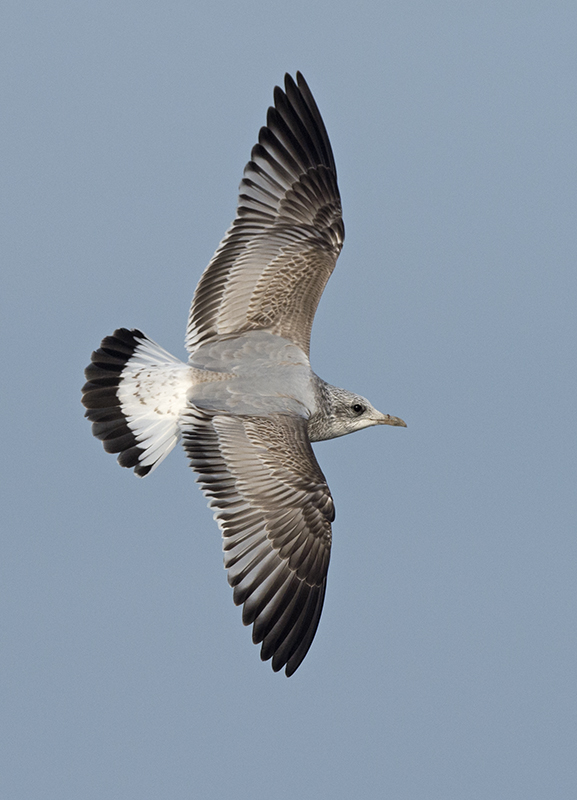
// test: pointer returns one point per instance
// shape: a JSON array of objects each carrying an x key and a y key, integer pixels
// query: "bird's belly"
[{"x": 258, "y": 374}]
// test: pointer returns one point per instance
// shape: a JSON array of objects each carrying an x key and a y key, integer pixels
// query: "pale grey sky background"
[{"x": 444, "y": 667}]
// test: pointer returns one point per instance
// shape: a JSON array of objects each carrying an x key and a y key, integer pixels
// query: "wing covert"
[
  {"x": 270, "y": 269},
  {"x": 274, "y": 509}
]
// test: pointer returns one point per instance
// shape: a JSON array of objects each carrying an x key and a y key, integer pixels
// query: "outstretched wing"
[
  {"x": 274, "y": 509},
  {"x": 273, "y": 264}
]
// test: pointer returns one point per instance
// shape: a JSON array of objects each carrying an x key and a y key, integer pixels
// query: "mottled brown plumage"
[{"x": 248, "y": 405}]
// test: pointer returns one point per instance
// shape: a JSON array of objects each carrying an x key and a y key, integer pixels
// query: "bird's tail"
[{"x": 134, "y": 396}]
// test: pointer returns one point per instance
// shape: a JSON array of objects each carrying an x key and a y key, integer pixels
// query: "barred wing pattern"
[
  {"x": 273, "y": 264},
  {"x": 274, "y": 509}
]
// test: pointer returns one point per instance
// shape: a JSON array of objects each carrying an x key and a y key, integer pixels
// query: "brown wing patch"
[
  {"x": 272, "y": 266},
  {"x": 274, "y": 509}
]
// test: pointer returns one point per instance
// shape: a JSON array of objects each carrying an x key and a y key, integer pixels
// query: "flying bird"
[{"x": 247, "y": 404}]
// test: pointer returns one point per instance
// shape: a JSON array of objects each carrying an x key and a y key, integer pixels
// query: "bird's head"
[{"x": 347, "y": 412}]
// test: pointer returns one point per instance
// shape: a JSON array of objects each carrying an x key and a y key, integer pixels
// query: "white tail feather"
[{"x": 135, "y": 394}]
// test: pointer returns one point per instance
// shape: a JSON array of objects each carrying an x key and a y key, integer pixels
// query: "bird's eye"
[{"x": 358, "y": 408}]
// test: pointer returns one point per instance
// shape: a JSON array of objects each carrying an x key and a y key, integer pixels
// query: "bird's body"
[{"x": 247, "y": 405}]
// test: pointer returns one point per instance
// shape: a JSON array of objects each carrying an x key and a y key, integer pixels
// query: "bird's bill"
[{"x": 386, "y": 419}]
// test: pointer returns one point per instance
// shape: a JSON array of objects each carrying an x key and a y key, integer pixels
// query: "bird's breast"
[{"x": 258, "y": 374}]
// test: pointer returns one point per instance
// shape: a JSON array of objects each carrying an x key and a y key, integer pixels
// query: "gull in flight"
[{"x": 247, "y": 404}]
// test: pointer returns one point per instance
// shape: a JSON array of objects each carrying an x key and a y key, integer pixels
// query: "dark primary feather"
[
  {"x": 273, "y": 264},
  {"x": 275, "y": 510}
]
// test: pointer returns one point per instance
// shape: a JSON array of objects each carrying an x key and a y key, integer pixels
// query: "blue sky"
[{"x": 444, "y": 664}]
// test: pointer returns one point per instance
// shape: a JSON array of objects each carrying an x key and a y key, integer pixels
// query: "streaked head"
[{"x": 346, "y": 412}]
